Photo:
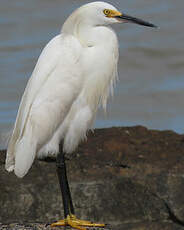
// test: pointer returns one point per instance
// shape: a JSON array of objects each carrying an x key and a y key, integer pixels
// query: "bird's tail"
[{"x": 24, "y": 154}]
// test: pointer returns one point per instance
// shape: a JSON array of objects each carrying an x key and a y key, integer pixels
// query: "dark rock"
[{"x": 131, "y": 178}]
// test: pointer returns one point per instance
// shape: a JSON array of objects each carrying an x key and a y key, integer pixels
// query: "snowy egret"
[{"x": 73, "y": 76}]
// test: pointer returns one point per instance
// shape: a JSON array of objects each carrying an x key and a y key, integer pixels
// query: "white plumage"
[{"x": 72, "y": 77}]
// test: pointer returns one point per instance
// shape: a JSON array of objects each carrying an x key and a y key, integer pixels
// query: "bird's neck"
[{"x": 87, "y": 33}]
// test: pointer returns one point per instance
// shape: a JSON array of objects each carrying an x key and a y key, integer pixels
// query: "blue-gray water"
[{"x": 150, "y": 90}]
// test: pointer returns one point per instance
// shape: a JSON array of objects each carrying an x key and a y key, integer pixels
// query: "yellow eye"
[{"x": 106, "y": 12}]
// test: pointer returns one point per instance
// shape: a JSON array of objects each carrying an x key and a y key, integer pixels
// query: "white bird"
[{"x": 73, "y": 76}]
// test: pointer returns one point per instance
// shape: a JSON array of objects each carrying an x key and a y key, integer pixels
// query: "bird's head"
[
  {"x": 98, "y": 14},
  {"x": 102, "y": 13}
]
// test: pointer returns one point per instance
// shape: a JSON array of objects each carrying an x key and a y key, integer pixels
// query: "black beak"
[{"x": 127, "y": 18}]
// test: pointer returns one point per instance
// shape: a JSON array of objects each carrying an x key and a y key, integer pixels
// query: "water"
[{"x": 150, "y": 90}]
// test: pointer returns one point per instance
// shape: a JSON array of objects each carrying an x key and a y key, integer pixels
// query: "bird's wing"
[{"x": 44, "y": 68}]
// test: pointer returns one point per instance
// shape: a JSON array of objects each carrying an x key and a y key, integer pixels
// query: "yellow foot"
[{"x": 72, "y": 221}]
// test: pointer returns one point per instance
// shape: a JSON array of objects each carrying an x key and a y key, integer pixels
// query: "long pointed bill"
[{"x": 127, "y": 18}]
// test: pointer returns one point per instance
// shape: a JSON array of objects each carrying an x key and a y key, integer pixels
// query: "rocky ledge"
[{"x": 131, "y": 178}]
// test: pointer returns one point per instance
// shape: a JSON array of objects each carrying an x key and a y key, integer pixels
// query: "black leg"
[
  {"x": 69, "y": 193},
  {"x": 67, "y": 200},
  {"x": 62, "y": 182},
  {"x": 65, "y": 190}
]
